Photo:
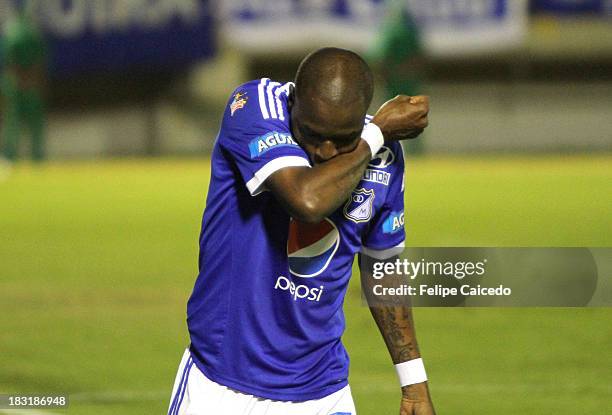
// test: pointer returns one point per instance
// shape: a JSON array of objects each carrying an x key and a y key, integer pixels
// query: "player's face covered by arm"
[{"x": 325, "y": 132}]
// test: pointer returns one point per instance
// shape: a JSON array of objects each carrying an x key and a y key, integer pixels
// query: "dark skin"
[
  {"x": 396, "y": 324},
  {"x": 330, "y": 135}
]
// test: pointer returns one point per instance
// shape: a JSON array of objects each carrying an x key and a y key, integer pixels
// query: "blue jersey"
[{"x": 265, "y": 316}]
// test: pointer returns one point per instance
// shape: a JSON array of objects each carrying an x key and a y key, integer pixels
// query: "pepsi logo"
[{"x": 311, "y": 247}]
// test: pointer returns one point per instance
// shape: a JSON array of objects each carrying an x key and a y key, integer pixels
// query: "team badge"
[
  {"x": 310, "y": 248},
  {"x": 240, "y": 100},
  {"x": 384, "y": 158},
  {"x": 359, "y": 206}
]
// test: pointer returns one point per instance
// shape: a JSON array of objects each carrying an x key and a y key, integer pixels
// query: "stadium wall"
[{"x": 465, "y": 118}]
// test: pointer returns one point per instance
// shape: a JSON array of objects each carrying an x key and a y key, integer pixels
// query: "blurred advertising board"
[
  {"x": 120, "y": 35},
  {"x": 450, "y": 27},
  {"x": 573, "y": 7}
]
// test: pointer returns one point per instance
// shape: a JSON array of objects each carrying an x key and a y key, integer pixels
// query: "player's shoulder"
[{"x": 260, "y": 103}]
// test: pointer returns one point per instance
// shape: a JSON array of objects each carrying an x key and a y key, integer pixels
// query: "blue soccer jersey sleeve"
[
  {"x": 385, "y": 235},
  {"x": 255, "y": 131}
]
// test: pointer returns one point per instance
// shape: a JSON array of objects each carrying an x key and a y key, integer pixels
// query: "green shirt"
[
  {"x": 398, "y": 43},
  {"x": 22, "y": 44}
]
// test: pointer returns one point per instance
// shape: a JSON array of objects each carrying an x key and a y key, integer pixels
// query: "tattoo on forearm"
[
  {"x": 393, "y": 316},
  {"x": 395, "y": 324}
]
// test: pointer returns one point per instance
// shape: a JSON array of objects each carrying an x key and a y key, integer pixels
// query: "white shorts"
[{"x": 195, "y": 394}]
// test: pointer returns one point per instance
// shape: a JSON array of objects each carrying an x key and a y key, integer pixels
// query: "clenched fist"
[{"x": 403, "y": 117}]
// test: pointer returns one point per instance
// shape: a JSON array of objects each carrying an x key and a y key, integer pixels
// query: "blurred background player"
[
  {"x": 23, "y": 54},
  {"x": 399, "y": 58}
]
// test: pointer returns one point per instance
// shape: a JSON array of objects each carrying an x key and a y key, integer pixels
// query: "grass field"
[{"x": 97, "y": 261}]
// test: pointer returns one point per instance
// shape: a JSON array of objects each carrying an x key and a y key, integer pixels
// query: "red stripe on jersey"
[{"x": 302, "y": 234}]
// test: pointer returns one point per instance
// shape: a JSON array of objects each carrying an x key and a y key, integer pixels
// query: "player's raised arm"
[
  {"x": 310, "y": 194},
  {"x": 393, "y": 317},
  {"x": 332, "y": 92}
]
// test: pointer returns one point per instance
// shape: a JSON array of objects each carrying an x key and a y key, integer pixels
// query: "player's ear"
[{"x": 291, "y": 96}]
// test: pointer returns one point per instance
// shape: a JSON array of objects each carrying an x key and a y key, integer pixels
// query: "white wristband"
[
  {"x": 411, "y": 372},
  {"x": 374, "y": 137}
]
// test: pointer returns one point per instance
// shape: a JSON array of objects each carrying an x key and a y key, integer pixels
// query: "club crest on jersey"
[
  {"x": 359, "y": 206},
  {"x": 384, "y": 158},
  {"x": 311, "y": 247},
  {"x": 394, "y": 223},
  {"x": 267, "y": 142},
  {"x": 240, "y": 100}
]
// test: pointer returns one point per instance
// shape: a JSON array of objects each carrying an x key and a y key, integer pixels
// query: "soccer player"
[
  {"x": 298, "y": 187},
  {"x": 23, "y": 58}
]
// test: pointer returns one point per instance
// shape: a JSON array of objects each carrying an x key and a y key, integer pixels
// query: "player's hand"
[
  {"x": 412, "y": 407},
  {"x": 403, "y": 117},
  {"x": 416, "y": 400}
]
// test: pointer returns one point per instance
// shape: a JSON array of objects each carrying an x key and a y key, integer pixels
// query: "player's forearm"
[
  {"x": 311, "y": 194},
  {"x": 397, "y": 328},
  {"x": 393, "y": 315},
  {"x": 394, "y": 319}
]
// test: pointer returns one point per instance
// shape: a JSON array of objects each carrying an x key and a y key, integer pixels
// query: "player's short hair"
[{"x": 338, "y": 76}]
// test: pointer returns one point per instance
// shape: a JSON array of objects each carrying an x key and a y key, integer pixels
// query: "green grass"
[{"x": 97, "y": 261}]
